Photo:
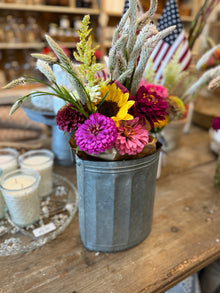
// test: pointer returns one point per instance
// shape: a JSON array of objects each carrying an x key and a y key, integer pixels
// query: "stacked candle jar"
[
  {"x": 8, "y": 162},
  {"x": 24, "y": 188},
  {"x": 42, "y": 161}
]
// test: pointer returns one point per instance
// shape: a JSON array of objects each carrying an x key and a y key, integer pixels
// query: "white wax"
[
  {"x": 43, "y": 165},
  {"x": 19, "y": 182},
  {"x": 38, "y": 162},
  {"x": 8, "y": 163},
  {"x": 22, "y": 199}
]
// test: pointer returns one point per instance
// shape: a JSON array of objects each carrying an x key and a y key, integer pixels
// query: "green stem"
[{"x": 68, "y": 70}]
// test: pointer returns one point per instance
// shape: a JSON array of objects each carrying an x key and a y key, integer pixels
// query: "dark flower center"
[
  {"x": 128, "y": 131},
  {"x": 109, "y": 109},
  {"x": 150, "y": 98},
  {"x": 94, "y": 129}
]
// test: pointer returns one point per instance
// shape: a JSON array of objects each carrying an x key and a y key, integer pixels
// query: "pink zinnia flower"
[
  {"x": 216, "y": 123},
  {"x": 159, "y": 89},
  {"x": 132, "y": 137},
  {"x": 69, "y": 119},
  {"x": 150, "y": 105},
  {"x": 143, "y": 82},
  {"x": 97, "y": 134}
]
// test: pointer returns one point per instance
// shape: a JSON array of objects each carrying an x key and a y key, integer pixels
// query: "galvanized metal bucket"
[{"x": 115, "y": 202}]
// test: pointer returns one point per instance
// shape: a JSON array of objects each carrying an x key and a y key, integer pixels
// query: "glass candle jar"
[
  {"x": 41, "y": 161},
  {"x": 8, "y": 162},
  {"x": 8, "y": 159},
  {"x": 20, "y": 191}
]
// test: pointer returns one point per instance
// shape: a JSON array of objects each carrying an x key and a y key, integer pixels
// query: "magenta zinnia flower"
[
  {"x": 97, "y": 134},
  {"x": 216, "y": 123},
  {"x": 69, "y": 119},
  {"x": 132, "y": 137},
  {"x": 150, "y": 105}
]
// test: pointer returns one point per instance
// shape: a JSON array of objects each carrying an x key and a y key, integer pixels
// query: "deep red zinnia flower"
[
  {"x": 150, "y": 105},
  {"x": 69, "y": 119}
]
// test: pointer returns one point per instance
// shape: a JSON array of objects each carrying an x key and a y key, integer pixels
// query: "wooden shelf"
[
  {"x": 67, "y": 44},
  {"x": 156, "y": 16},
  {"x": 39, "y": 45},
  {"x": 107, "y": 44},
  {"x": 22, "y": 45},
  {"x": 48, "y": 8},
  {"x": 10, "y": 96}
]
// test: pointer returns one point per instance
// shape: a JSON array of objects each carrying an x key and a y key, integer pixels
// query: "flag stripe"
[
  {"x": 186, "y": 61},
  {"x": 156, "y": 50},
  {"x": 163, "y": 57},
  {"x": 175, "y": 46},
  {"x": 161, "y": 54},
  {"x": 188, "y": 64},
  {"x": 183, "y": 56},
  {"x": 167, "y": 58},
  {"x": 184, "y": 50}
]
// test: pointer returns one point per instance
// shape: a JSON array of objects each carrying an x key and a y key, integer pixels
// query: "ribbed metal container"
[{"x": 115, "y": 202}]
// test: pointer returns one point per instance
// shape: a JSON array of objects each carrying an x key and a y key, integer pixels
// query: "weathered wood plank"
[{"x": 194, "y": 150}]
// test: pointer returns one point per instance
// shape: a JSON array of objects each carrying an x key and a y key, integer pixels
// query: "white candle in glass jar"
[
  {"x": 8, "y": 162},
  {"x": 42, "y": 161},
  {"x": 20, "y": 191},
  {"x": 19, "y": 182}
]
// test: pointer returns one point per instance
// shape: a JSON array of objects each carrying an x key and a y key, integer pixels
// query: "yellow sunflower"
[{"x": 116, "y": 104}]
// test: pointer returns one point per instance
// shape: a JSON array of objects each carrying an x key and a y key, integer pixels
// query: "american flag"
[
  {"x": 165, "y": 49},
  {"x": 139, "y": 6},
  {"x": 126, "y": 6}
]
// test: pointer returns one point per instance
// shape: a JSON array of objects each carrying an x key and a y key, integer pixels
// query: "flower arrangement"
[
  {"x": 174, "y": 79},
  {"x": 115, "y": 115},
  {"x": 172, "y": 76}
]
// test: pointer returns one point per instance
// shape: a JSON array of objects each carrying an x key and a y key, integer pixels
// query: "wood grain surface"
[{"x": 185, "y": 237}]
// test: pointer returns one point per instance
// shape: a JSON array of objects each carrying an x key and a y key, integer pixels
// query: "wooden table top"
[{"x": 185, "y": 237}]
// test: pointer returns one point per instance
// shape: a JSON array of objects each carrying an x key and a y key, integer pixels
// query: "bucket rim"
[{"x": 102, "y": 162}]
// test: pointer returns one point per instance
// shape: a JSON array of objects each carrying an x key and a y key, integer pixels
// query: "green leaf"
[{"x": 102, "y": 100}]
